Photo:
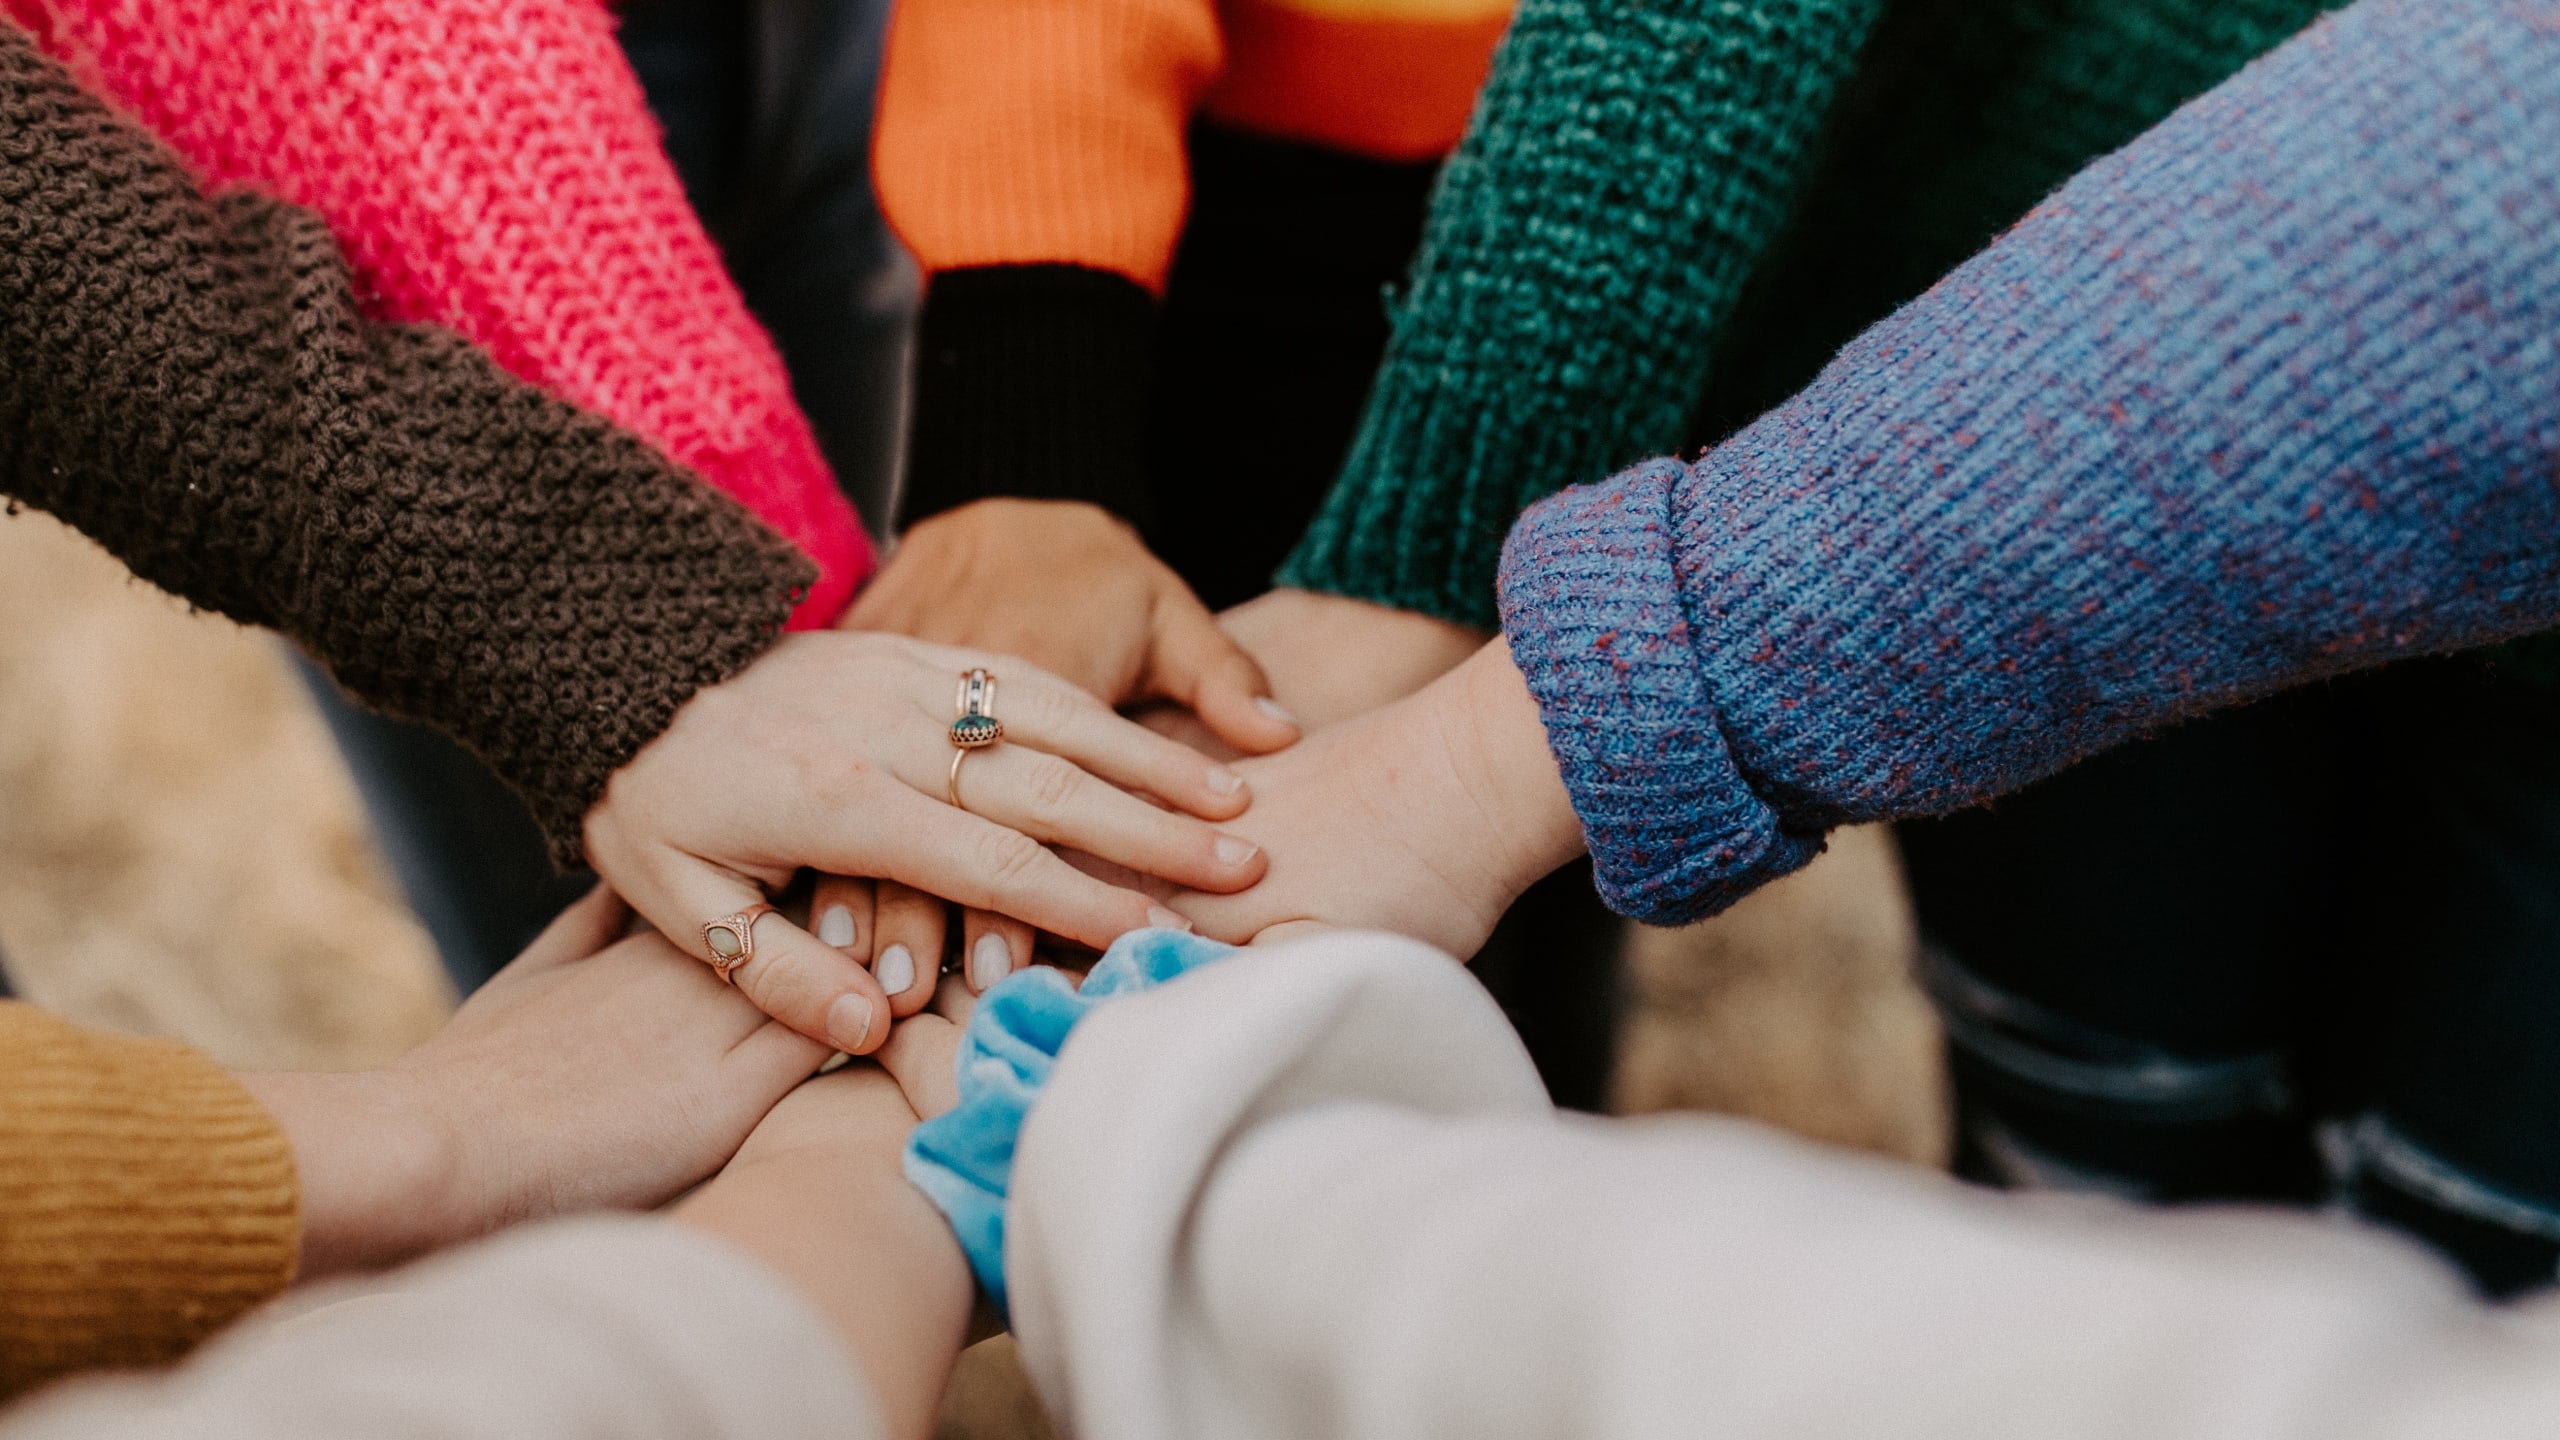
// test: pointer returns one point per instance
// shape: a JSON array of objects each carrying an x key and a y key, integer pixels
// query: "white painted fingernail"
[
  {"x": 1275, "y": 710},
  {"x": 1233, "y": 852},
  {"x": 989, "y": 962},
  {"x": 849, "y": 1023},
  {"x": 895, "y": 970},
  {"x": 835, "y": 927},
  {"x": 1164, "y": 919},
  {"x": 1223, "y": 781}
]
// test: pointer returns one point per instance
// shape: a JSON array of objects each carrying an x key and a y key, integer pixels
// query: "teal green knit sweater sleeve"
[{"x": 1629, "y": 162}]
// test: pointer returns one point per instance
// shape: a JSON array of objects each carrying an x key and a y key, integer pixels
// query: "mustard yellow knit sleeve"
[{"x": 145, "y": 1200}]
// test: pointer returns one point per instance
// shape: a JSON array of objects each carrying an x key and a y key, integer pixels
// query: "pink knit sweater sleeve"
[{"x": 489, "y": 166}]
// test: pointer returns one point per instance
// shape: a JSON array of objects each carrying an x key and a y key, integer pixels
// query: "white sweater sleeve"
[
  {"x": 596, "y": 1329},
  {"x": 1316, "y": 1192}
]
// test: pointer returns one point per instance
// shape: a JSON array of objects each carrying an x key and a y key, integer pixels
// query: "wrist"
[
  {"x": 818, "y": 1196},
  {"x": 1500, "y": 759},
  {"x": 377, "y": 1168}
]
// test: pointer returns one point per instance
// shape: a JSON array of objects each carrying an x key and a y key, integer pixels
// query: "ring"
[
  {"x": 731, "y": 939},
  {"x": 976, "y": 727},
  {"x": 977, "y": 724}
]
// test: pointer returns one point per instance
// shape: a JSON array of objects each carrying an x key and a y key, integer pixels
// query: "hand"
[
  {"x": 1076, "y": 592},
  {"x": 1427, "y": 817},
  {"x": 1330, "y": 657},
  {"x": 832, "y": 752},
  {"x": 1073, "y": 590},
  {"x": 586, "y": 1075},
  {"x": 819, "y": 1195}
]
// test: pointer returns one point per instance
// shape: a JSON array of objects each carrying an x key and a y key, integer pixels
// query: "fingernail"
[
  {"x": 989, "y": 962},
  {"x": 835, "y": 927},
  {"x": 895, "y": 970},
  {"x": 1233, "y": 852},
  {"x": 1223, "y": 781},
  {"x": 1164, "y": 919},
  {"x": 849, "y": 1023},
  {"x": 1275, "y": 710}
]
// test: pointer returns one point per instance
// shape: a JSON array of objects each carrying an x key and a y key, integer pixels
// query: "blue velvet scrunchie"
[{"x": 963, "y": 1159}]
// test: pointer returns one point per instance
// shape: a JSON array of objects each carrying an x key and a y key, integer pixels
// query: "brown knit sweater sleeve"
[
  {"x": 188, "y": 381},
  {"x": 145, "y": 1199}
]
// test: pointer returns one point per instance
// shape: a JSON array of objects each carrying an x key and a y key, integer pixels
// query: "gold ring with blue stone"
[{"x": 977, "y": 726}]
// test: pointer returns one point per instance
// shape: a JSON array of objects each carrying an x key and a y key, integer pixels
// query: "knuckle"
[
  {"x": 781, "y": 986},
  {"x": 1051, "y": 709},
  {"x": 1008, "y": 858},
  {"x": 1051, "y": 786}
]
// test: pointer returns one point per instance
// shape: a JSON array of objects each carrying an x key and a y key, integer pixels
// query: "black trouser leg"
[{"x": 2307, "y": 950}]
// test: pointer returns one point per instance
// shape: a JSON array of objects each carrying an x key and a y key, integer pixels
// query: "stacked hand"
[
  {"x": 833, "y": 752},
  {"x": 591, "y": 1073}
]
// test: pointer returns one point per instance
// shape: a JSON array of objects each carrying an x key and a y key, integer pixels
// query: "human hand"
[
  {"x": 589, "y": 1074},
  {"x": 1330, "y": 657},
  {"x": 820, "y": 1195},
  {"x": 833, "y": 752},
  {"x": 921, "y": 1051},
  {"x": 1427, "y": 817},
  {"x": 1073, "y": 590}
]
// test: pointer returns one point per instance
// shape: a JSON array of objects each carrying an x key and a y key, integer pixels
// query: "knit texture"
[
  {"x": 1614, "y": 237},
  {"x": 2272, "y": 394},
  {"x": 1022, "y": 132},
  {"x": 1628, "y": 164},
  {"x": 145, "y": 1200},
  {"x": 490, "y": 166},
  {"x": 190, "y": 383},
  {"x": 1031, "y": 380}
]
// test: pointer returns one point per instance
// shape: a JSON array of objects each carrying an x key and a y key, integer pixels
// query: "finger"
[
  {"x": 815, "y": 989},
  {"x": 918, "y": 1056},
  {"x": 955, "y": 1002},
  {"x": 972, "y": 861},
  {"x": 992, "y": 947},
  {"x": 1199, "y": 665},
  {"x": 840, "y": 915},
  {"x": 591, "y": 923},
  {"x": 1048, "y": 714},
  {"x": 1049, "y": 798},
  {"x": 772, "y": 1058},
  {"x": 907, "y": 928}
]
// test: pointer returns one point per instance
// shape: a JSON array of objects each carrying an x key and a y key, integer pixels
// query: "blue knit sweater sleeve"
[{"x": 2272, "y": 393}]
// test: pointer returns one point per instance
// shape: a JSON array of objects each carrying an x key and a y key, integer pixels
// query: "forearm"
[
  {"x": 146, "y": 1199},
  {"x": 376, "y": 1174},
  {"x": 489, "y": 166},
  {"x": 1316, "y": 1191},
  {"x": 633, "y": 1328},
  {"x": 2245, "y": 405},
  {"x": 189, "y": 382},
  {"x": 1031, "y": 158},
  {"x": 1657, "y": 143},
  {"x": 838, "y": 1221}
]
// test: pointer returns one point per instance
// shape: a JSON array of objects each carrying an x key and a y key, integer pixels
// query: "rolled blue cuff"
[
  {"x": 1592, "y": 606},
  {"x": 963, "y": 1159}
]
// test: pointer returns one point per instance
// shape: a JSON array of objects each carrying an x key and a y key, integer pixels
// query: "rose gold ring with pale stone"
[{"x": 731, "y": 939}]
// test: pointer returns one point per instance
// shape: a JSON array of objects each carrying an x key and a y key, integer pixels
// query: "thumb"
[{"x": 1197, "y": 665}]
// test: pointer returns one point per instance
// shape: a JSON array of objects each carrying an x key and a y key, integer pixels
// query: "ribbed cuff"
[
  {"x": 1448, "y": 455},
  {"x": 148, "y": 1200},
  {"x": 1032, "y": 381},
  {"x": 1591, "y": 603}
]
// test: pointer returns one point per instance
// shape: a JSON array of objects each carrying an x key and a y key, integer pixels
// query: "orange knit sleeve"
[
  {"x": 145, "y": 1200},
  {"x": 1041, "y": 131}
]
